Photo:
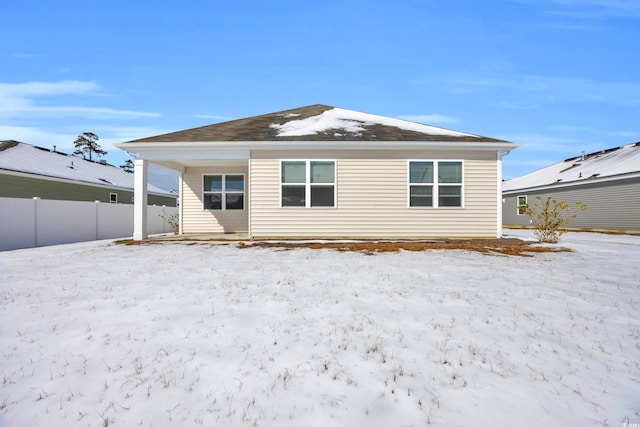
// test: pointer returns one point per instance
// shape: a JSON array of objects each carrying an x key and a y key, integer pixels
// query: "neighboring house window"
[
  {"x": 522, "y": 203},
  {"x": 223, "y": 192},
  {"x": 435, "y": 184},
  {"x": 308, "y": 183},
  {"x": 113, "y": 197}
]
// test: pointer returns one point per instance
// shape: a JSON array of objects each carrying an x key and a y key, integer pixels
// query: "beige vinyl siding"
[
  {"x": 372, "y": 199},
  {"x": 196, "y": 219}
]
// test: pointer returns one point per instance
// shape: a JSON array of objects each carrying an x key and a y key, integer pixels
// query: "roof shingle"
[{"x": 316, "y": 123}]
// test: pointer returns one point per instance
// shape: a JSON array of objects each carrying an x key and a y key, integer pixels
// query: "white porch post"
[
  {"x": 140, "y": 200},
  {"x": 180, "y": 202},
  {"x": 500, "y": 207}
]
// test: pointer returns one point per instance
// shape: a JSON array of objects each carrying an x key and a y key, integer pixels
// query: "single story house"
[
  {"x": 325, "y": 172},
  {"x": 607, "y": 181},
  {"x": 28, "y": 171}
]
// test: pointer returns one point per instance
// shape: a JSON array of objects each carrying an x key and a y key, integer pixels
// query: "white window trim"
[
  {"x": 518, "y": 205},
  {"x": 308, "y": 185},
  {"x": 223, "y": 192},
  {"x": 436, "y": 185},
  {"x": 111, "y": 198}
]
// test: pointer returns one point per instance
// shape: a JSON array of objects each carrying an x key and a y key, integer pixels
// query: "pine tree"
[
  {"x": 128, "y": 166},
  {"x": 87, "y": 143}
]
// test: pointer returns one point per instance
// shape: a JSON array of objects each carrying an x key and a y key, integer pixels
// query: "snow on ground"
[{"x": 95, "y": 334}]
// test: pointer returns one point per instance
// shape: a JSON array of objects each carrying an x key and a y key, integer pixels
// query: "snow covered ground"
[{"x": 95, "y": 334}]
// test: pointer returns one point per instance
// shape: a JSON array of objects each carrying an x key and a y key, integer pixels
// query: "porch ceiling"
[{"x": 181, "y": 164}]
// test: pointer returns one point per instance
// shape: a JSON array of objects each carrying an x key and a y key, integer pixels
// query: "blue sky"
[{"x": 558, "y": 76}]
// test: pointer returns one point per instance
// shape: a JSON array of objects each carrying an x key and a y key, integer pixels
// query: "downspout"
[{"x": 250, "y": 234}]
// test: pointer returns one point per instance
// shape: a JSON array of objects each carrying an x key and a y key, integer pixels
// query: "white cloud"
[
  {"x": 539, "y": 142},
  {"x": 534, "y": 88},
  {"x": 37, "y": 136},
  {"x": 128, "y": 133},
  {"x": 635, "y": 135},
  {"x": 47, "y": 88},
  {"x": 88, "y": 112},
  {"x": 20, "y": 101},
  {"x": 214, "y": 117},
  {"x": 590, "y": 9},
  {"x": 572, "y": 128},
  {"x": 24, "y": 55},
  {"x": 574, "y": 27},
  {"x": 513, "y": 105}
]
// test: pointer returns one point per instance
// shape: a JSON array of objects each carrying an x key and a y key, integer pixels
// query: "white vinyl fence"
[{"x": 28, "y": 223}]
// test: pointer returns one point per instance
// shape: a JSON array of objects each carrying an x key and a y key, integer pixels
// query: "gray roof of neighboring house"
[
  {"x": 615, "y": 163},
  {"x": 26, "y": 158},
  {"x": 317, "y": 123}
]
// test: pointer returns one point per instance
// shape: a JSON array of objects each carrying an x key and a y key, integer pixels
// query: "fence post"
[
  {"x": 35, "y": 225},
  {"x": 97, "y": 202},
  {"x": 164, "y": 219}
]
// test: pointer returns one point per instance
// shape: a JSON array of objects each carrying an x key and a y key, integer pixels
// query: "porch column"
[
  {"x": 140, "y": 200},
  {"x": 180, "y": 202},
  {"x": 500, "y": 207}
]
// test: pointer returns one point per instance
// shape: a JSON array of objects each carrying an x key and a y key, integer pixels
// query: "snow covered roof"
[
  {"x": 615, "y": 163},
  {"x": 25, "y": 158},
  {"x": 317, "y": 123}
]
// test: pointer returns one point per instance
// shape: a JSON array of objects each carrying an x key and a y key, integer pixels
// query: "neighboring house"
[
  {"x": 608, "y": 182},
  {"x": 28, "y": 171},
  {"x": 325, "y": 172}
]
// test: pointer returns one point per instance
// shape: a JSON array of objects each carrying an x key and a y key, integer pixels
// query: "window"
[
  {"x": 113, "y": 197},
  {"x": 522, "y": 203},
  {"x": 308, "y": 183},
  {"x": 223, "y": 192},
  {"x": 435, "y": 184}
]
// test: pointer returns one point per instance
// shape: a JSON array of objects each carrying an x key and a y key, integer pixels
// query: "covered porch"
[{"x": 213, "y": 187}]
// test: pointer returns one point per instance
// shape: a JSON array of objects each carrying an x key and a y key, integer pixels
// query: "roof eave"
[
  {"x": 184, "y": 149},
  {"x": 585, "y": 181},
  {"x": 112, "y": 186}
]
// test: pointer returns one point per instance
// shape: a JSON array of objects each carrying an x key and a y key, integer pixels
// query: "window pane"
[
  {"x": 212, "y": 183},
  {"x": 234, "y": 183},
  {"x": 293, "y": 195},
  {"x": 421, "y": 172},
  {"x": 294, "y": 172},
  {"x": 450, "y": 172},
  {"x": 322, "y": 172},
  {"x": 213, "y": 201},
  {"x": 450, "y": 196},
  {"x": 522, "y": 200},
  {"x": 322, "y": 195},
  {"x": 421, "y": 196},
  {"x": 234, "y": 201}
]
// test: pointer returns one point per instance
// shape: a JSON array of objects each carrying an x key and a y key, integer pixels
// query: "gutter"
[
  {"x": 180, "y": 149},
  {"x": 585, "y": 181}
]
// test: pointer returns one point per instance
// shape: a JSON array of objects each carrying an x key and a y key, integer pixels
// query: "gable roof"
[
  {"x": 316, "y": 123},
  {"x": 29, "y": 159},
  {"x": 615, "y": 163}
]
